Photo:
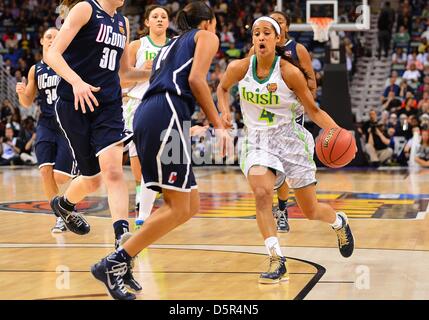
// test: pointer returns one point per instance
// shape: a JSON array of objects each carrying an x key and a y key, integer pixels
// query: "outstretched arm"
[{"x": 234, "y": 73}]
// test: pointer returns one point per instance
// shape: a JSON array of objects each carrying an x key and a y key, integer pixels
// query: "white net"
[{"x": 321, "y": 28}]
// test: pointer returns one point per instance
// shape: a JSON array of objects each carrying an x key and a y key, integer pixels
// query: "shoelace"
[
  {"x": 281, "y": 217},
  {"x": 118, "y": 271},
  {"x": 274, "y": 264},
  {"x": 75, "y": 218},
  {"x": 342, "y": 236}
]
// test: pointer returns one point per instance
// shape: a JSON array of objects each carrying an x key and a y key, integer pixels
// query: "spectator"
[
  {"x": 416, "y": 59},
  {"x": 384, "y": 30},
  {"x": 393, "y": 87},
  {"x": 377, "y": 146},
  {"x": 412, "y": 75},
  {"x": 9, "y": 148},
  {"x": 422, "y": 157},
  {"x": 402, "y": 38},
  {"x": 395, "y": 76},
  {"x": 28, "y": 139},
  {"x": 424, "y": 100},
  {"x": 409, "y": 107},
  {"x": 423, "y": 46},
  {"x": 6, "y": 111},
  {"x": 392, "y": 103},
  {"x": 233, "y": 52},
  {"x": 399, "y": 58}
]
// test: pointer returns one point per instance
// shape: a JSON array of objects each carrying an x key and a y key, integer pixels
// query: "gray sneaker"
[
  {"x": 59, "y": 227},
  {"x": 282, "y": 220}
]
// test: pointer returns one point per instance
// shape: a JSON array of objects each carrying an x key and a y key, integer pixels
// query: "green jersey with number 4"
[{"x": 267, "y": 103}]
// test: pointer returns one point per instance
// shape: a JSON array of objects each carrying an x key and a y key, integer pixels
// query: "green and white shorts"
[
  {"x": 129, "y": 109},
  {"x": 288, "y": 149}
]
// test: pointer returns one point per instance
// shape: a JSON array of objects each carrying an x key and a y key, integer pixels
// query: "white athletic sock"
[
  {"x": 147, "y": 198},
  {"x": 138, "y": 195},
  {"x": 273, "y": 243},
  {"x": 338, "y": 222}
]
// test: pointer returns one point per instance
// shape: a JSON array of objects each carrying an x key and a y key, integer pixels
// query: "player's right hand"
[
  {"x": 227, "y": 120},
  {"x": 83, "y": 93},
  {"x": 20, "y": 86},
  {"x": 148, "y": 65},
  {"x": 225, "y": 142}
]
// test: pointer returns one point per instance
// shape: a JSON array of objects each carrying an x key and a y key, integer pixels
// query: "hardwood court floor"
[{"x": 219, "y": 254}]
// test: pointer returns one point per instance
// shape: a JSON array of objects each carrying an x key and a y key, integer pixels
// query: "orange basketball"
[{"x": 336, "y": 147}]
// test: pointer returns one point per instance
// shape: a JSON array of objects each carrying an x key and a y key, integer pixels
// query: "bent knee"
[
  {"x": 263, "y": 194},
  {"x": 113, "y": 173},
  {"x": 47, "y": 172}
]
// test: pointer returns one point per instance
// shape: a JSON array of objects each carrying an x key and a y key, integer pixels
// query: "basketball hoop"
[{"x": 321, "y": 28}]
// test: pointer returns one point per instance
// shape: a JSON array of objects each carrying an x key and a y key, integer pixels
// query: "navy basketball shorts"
[
  {"x": 52, "y": 149},
  {"x": 92, "y": 133},
  {"x": 161, "y": 135}
]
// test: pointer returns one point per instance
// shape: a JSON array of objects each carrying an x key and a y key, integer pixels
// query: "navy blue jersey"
[
  {"x": 290, "y": 51},
  {"x": 171, "y": 69},
  {"x": 94, "y": 54},
  {"x": 47, "y": 81}
]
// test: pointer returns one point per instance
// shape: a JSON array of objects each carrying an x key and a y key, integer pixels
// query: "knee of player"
[
  {"x": 263, "y": 194},
  {"x": 113, "y": 173},
  {"x": 61, "y": 178},
  {"x": 183, "y": 214}
]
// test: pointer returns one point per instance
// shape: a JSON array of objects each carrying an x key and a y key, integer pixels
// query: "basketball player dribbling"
[
  {"x": 273, "y": 93},
  {"x": 300, "y": 57}
]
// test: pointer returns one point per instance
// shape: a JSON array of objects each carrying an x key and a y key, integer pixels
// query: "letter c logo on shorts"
[{"x": 173, "y": 178}]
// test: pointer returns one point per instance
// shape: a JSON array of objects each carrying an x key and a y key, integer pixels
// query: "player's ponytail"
[
  {"x": 281, "y": 52},
  {"x": 192, "y": 15},
  {"x": 66, "y": 6}
]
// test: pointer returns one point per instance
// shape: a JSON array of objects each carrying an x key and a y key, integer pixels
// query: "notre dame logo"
[{"x": 272, "y": 87}]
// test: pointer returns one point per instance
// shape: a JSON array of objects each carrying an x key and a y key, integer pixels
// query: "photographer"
[
  {"x": 377, "y": 146},
  {"x": 9, "y": 148}
]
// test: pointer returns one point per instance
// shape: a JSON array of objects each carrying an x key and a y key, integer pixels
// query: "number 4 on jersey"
[{"x": 267, "y": 116}]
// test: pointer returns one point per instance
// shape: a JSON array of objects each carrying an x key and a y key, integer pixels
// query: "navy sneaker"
[
  {"x": 346, "y": 242},
  {"x": 111, "y": 273},
  {"x": 128, "y": 277},
  {"x": 74, "y": 221},
  {"x": 277, "y": 271}
]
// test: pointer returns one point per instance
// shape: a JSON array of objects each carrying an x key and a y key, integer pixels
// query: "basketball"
[{"x": 335, "y": 147}]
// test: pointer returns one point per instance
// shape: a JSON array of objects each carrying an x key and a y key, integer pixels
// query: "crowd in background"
[
  {"x": 397, "y": 133},
  {"x": 22, "y": 23}
]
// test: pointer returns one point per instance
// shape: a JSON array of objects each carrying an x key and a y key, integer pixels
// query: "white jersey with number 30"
[{"x": 267, "y": 103}]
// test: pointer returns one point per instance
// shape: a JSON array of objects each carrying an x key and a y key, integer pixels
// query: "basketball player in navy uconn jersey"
[
  {"x": 300, "y": 57},
  {"x": 53, "y": 153},
  {"x": 90, "y": 51},
  {"x": 178, "y": 79}
]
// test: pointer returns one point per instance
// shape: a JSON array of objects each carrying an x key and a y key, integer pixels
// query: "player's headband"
[{"x": 270, "y": 20}]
